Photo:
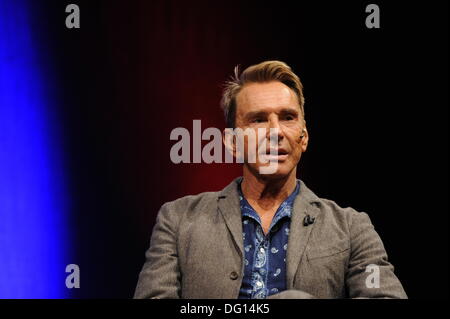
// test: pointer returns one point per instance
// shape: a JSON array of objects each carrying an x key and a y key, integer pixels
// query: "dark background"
[{"x": 376, "y": 111}]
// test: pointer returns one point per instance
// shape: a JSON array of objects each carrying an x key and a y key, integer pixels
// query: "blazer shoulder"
[
  {"x": 191, "y": 202},
  {"x": 193, "y": 205},
  {"x": 337, "y": 209},
  {"x": 342, "y": 215}
]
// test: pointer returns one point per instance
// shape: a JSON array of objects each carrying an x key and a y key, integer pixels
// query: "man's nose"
[{"x": 275, "y": 128}]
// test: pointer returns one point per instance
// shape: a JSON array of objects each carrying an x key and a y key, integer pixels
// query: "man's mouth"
[
  {"x": 278, "y": 155},
  {"x": 281, "y": 151}
]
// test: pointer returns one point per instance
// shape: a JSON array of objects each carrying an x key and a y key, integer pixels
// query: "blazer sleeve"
[
  {"x": 368, "y": 259},
  {"x": 160, "y": 276}
]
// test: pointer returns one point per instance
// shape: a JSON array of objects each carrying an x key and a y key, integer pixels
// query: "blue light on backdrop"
[{"x": 33, "y": 202}]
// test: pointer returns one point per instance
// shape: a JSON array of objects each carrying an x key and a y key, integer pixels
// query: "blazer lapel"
[
  {"x": 230, "y": 208},
  {"x": 299, "y": 234}
]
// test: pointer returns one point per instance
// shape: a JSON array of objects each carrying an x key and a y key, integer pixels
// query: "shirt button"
[
  {"x": 259, "y": 283},
  {"x": 262, "y": 249},
  {"x": 234, "y": 275}
]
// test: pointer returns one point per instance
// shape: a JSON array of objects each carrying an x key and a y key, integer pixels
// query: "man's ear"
[
  {"x": 305, "y": 139},
  {"x": 229, "y": 141}
]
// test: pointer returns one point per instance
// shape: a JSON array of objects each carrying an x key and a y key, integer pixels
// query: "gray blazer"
[{"x": 196, "y": 251}]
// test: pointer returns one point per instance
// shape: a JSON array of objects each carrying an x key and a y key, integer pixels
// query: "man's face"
[{"x": 272, "y": 105}]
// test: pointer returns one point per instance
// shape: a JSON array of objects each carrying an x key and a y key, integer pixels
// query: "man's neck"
[{"x": 267, "y": 192}]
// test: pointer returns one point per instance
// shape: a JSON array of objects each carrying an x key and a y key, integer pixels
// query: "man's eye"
[{"x": 258, "y": 120}]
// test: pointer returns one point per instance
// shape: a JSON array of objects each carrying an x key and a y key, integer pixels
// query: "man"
[{"x": 265, "y": 235}]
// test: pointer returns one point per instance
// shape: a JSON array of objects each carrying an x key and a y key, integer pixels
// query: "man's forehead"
[{"x": 260, "y": 96}]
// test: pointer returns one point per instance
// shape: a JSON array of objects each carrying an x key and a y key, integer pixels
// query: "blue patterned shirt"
[{"x": 265, "y": 255}]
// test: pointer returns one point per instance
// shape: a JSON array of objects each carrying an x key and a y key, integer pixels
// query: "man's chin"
[{"x": 273, "y": 171}]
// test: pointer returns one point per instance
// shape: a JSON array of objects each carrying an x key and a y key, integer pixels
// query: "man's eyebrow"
[
  {"x": 255, "y": 114},
  {"x": 284, "y": 111},
  {"x": 289, "y": 111}
]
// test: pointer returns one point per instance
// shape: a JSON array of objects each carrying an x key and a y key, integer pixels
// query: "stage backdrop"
[{"x": 116, "y": 87}]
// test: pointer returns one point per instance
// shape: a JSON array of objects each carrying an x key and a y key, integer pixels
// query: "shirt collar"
[{"x": 284, "y": 210}]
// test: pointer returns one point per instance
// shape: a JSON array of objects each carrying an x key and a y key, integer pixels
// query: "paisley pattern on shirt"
[{"x": 265, "y": 254}]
